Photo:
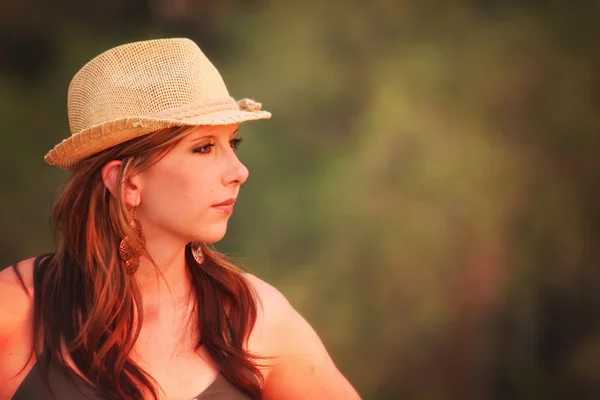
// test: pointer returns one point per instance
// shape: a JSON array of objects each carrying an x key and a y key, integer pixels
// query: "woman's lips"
[
  {"x": 227, "y": 210},
  {"x": 225, "y": 207}
]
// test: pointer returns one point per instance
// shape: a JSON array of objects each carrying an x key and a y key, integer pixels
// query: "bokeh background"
[{"x": 426, "y": 193}]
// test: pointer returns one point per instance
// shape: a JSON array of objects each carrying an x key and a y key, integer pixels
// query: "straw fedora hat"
[{"x": 138, "y": 88}]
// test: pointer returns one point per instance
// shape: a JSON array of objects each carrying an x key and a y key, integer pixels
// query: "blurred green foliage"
[{"x": 425, "y": 194}]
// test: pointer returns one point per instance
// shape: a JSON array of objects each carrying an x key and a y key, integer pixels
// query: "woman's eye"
[
  {"x": 204, "y": 149},
  {"x": 207, "y": 148},
  {"x": 235, "y": 143}
]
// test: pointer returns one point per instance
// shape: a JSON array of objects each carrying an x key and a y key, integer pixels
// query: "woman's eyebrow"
[{"x": 197, "y": 138}]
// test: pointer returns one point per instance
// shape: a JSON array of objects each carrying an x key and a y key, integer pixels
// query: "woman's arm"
[{"x": 301, "y": 368}]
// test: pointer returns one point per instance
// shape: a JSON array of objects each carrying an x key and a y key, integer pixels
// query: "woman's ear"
[{"x": 110, "y": 177}]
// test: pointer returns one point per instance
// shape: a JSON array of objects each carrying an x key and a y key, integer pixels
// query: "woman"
[{"x": 134, "y": 304}]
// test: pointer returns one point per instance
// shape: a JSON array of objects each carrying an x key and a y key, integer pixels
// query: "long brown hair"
[{"x": 85, "y": 301}]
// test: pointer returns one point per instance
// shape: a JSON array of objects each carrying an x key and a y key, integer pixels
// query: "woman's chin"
[{"x": 212, "y": 236}]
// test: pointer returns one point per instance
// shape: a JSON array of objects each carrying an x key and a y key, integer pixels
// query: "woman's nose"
[{"x": 236, "y": 172}]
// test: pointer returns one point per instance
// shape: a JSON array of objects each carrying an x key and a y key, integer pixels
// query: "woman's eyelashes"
[
  {"x": 235, "y": 143},
  {"x": 207, "y": 148},
  {"x": 204, "y": 149}
]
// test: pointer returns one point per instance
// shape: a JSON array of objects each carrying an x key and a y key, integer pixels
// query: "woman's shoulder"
[
  {"x": 280, "y": 330},
  {"x": 16, "y": 295},
  {"x": 16, "y": 316},
  {"x": 272, "y": 309},
  {"x": 266, "y": 292},
  {"x": 16, "y": 287},
  {"x": 301, "y": 367}
]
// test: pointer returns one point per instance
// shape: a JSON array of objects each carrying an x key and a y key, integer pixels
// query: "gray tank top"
[{"x": 67, "y": 385}]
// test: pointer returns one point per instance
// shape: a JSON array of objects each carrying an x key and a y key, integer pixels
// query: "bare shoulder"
[
  {"x": 275, "y": 315},
  {"x": 272, "y": 307},
  {"x": 301, "y": 367},
  {"x": 16, "y": 294},
  {"x": 16, "y": 313},
  {"x": 271, "y": 299}
]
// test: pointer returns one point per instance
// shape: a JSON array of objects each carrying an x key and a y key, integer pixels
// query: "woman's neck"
[{"x": 169, "y": 279}]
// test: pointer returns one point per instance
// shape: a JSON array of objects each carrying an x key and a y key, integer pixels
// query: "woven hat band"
[{"x": 196, "y": 108}]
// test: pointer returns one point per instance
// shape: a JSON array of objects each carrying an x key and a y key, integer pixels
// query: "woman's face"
[{"x": 180, "y": 194}]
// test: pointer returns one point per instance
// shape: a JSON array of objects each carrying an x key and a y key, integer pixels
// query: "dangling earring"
[
  {"x": 128, "y": 253},
  {"x": 197, "y": 252}
]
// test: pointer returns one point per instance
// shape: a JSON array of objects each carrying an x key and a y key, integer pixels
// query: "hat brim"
[{"x": 108, "y": 134}]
